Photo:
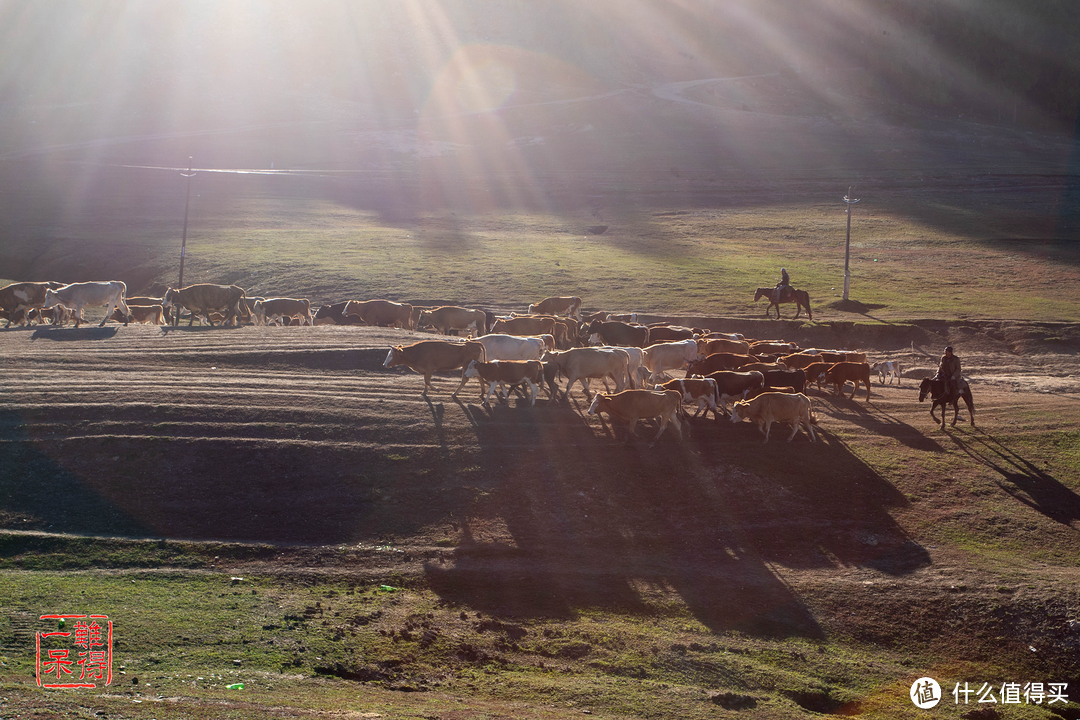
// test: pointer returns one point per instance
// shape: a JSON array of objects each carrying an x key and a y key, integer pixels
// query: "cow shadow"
[
  {"x": 1023, "y": 480},
  {"x": 83, "y": 333},
  {"x": 184, "y": 328},
  {"x": 709, "y": 518}
]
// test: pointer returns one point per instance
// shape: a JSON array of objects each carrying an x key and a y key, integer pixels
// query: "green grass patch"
[
  {"x": 179, "y": 634},
  {"x": 656, "y": 257}
]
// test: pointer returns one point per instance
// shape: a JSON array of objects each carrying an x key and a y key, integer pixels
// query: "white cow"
[
  {"x": 669, "y": 356},
  {"x": 512, "y": 347},
  {"x": 78, "y": 295},
  {"x": 584, "y": 363},
  {"x": 636, "y": 368}
]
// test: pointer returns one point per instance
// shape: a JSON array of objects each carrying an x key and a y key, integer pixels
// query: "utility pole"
[
  {"x": 847, "y": 243},
  {"x": 183, "y": 238}
]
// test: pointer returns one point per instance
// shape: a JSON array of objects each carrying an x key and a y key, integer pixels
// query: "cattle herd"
[{"x": 765, "y": 380}]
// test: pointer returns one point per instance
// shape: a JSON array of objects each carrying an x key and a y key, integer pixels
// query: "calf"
[
  {"x": 632, "y": 405},
  {"x": 888, "y": 368},
  {"x": 507, "y": 372},
  {"x": 771, "y": 407},
  {"x": 335, "y": 315},
  {"x": 152, "y": 314},
  {"x": 701, "y": 391},
  {"x": 272, "y": 309},
  {"x": 57, "y": 315}
]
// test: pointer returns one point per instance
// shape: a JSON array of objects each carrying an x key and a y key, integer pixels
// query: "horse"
[
  {"x": 801, "y": 298},
  {"x": 936, "y": 390}
]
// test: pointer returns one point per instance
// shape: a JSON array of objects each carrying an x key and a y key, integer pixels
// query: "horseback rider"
[
  {"x": 785, "y": 282},
  {"x": 949, "y": 371}
]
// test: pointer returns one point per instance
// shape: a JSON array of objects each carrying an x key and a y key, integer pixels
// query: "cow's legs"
[
  {"x": 462, "y": 383},
  {"x": 794, "y": 429},
  {"x": 663, "y": 426}
]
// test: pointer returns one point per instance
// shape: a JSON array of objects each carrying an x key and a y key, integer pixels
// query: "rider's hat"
[{"x": 948, "y": 348}]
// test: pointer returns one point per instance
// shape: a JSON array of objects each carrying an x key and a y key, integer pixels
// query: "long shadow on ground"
[{"x": 596, "y": 522}]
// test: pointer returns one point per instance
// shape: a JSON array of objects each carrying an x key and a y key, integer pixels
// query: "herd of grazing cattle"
[{"x": 766, "y": 380}]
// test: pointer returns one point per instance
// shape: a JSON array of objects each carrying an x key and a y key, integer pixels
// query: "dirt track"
[{"x": 299, "y": 436}]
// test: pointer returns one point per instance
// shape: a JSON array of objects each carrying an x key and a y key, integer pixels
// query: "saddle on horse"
[{"x": 785, "y": 294}]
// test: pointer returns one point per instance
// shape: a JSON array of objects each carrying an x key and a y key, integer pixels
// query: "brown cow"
[
  {"x": 772, "y": 346},
  {"x": 207, "y": 297},
  {"x": 568, "y": 306},
  {"x": 633, "y": 405},
  {"x": 266, "y": 311},
  {"x": 57, "y": 315},
  {"x": 619, "y": 333},
  {"x": 382, "y": 313},
  {"x": 505, "y": 373},
  {"x": 334, "y": 314},
  {"x": 853, "y": 372},
  {"x": 18, "y": 299},
  {"x": 152, "y": 314},
  {"x": 430, "y": 356},
  {"x": 733, "y": 385},
  {"x": 701, "y": 391},
  {"x": 770, "y": 407},
  {"x": 452, "y": 317},
  {"x": 527, "y": 326},
  {"x": 708, "y": 346},
  {"x": 815, "y": 373},
  {"x": 718, "y": 361}
]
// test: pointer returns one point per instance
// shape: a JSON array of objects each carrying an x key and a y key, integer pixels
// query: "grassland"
[{"x": 702, "y": 254}]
